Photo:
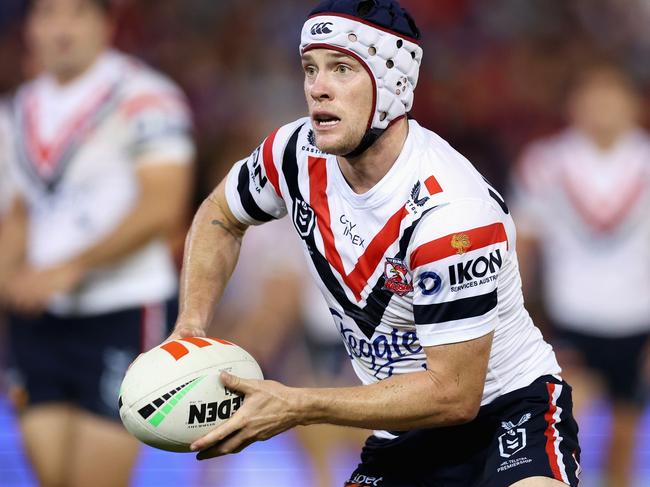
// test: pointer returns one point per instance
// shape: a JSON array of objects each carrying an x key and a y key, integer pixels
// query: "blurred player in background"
[
  {"x": 415, "y": 254},
  {"x": 582, "y": 199},
  {"x": 101, "y": 171}
]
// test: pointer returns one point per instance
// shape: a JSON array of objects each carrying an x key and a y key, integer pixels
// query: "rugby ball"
[{"x": 172, "y": 394}]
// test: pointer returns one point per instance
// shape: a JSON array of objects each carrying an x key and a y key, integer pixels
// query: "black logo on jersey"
[
  {"x": 475, "y": 268},
  {"x": 203, "y": 413},
  {"x": 303, "y": 218},
  {"x": 350, "y": 232},
  {"x": 311, "y": 147},
  {"x": 321, "y": 28},
  {"x": 415, "y": 195},
  {"x": 259, "y": 180}
]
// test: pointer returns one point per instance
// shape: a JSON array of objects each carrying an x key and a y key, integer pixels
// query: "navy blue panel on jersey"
[
  {"x": 247, "y": 200},
  {"x": 458, "y": 309}
]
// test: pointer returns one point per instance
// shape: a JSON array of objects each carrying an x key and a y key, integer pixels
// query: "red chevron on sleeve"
[
  {"x": 269, "y": 164},
  {"x": 458, "y": 243}
]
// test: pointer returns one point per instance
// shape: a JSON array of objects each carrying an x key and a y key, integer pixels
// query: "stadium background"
[{"x": 494, "y": 77}]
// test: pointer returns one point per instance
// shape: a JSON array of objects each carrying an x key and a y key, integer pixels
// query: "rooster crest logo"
[
  {"x": 396, "y": 276},
  {"x": 461, "y": 243}
]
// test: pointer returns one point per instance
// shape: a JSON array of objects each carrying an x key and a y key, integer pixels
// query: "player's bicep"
[
  {"x": 168, "y": 184},
  {"x": 223, "y": 214},
  {"x": 460, "y": 369}
]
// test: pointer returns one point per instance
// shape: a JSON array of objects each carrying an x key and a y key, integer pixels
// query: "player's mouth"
[{"x": 325, "y": 121}]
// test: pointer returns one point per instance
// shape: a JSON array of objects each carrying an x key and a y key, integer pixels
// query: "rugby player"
[
  {"x": 415, "y": 254},
  {"x": 581, "y": 201},
  {"x": 100, "y": 170}
]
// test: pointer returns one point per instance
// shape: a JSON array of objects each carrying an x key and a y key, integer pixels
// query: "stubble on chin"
[{"x": 340, "y": 147}]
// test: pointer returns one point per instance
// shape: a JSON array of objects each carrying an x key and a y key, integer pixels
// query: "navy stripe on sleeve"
[
  {"x": 248, "y": 202},
  {"x": 458, "y": 309}
]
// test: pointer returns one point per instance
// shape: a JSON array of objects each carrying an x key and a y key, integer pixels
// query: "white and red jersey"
[
  {"x": 426, "y": 257},
  {"x": 75, "y": 152},
  {"x": 588, "y": 208}
]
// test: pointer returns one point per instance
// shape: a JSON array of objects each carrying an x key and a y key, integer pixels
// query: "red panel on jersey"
[
  {"x": 141, "y": 102},
  {"x": 46, "y": 155},
  {"x": 605, "y": 216},
  {"x": 269, "y": 165},
  {"x": 432, "y": 185},
  {"x": 458, "y": 243},
  {"x": 318, "y": 199},
  {"x": 376, "y": 249},
  {"x": 549, "y": 416}
]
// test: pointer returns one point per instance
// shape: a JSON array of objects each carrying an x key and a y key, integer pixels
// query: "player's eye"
[
  {"x": 343, "y": 69},
  {"x": 309, "y": 70}
]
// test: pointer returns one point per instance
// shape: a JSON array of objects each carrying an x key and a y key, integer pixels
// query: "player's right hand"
[{"x": 182, "y": 330}]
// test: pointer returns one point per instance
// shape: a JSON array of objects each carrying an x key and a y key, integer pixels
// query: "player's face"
[
  {"x": 339, "y": 97},
  {"x": 65, "y": 36},
  {"x": 604, "y": 106}
]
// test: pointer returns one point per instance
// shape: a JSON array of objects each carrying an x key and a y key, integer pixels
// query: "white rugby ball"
[{"x": 172, "y": 394}]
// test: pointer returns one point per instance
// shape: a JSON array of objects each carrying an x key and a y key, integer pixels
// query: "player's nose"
[{"x": 320, "y": 88}]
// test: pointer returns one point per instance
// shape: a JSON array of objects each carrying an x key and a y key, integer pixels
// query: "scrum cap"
[{"x": 383, "y": 37}]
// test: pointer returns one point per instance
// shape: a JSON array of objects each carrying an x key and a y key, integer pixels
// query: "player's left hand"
[{"x": 268, "y": 410}]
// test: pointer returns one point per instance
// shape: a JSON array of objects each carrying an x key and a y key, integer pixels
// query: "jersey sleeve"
[
  {"x": 457, "y": 254},
  {"x": 159, "y": 125},
  {"x": 253, "y": 187}
]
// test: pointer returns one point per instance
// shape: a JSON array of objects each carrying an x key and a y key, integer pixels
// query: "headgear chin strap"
[{"x": 383, "y": 38}]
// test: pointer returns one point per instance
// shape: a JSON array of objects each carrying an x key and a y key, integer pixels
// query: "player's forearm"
[
  {"x": 211, "y": 252},
  {"x": 160, "y": 209},
  {"x": 13, "y": 240},
  {"x": 404, "y": 402},
  {"x": 144, "y": 223}
]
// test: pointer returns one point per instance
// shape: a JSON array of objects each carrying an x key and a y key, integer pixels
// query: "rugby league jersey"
[
  {"x": 76, "y": 149},
  {"x": 426, "y": 257},
  {"x": 588, "y": 208}
]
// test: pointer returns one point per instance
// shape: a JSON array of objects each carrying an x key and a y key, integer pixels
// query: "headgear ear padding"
[{"x": 383, "y": 38}]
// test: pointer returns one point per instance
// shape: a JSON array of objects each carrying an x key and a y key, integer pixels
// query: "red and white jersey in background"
[
  {"x": 75, "y": 152},
  {"x": 426, "y": 257},
  {"x": 589, "y": 209}
]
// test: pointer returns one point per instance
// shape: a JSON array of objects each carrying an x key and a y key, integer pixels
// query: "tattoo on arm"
[{"x": 221, "y": 224}]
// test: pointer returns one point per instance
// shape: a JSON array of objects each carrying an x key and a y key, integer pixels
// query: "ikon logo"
[
  {"x": 321, "y": 28},
  {"x": 179, "y": 350},
  {"x": 303, "y": 218},
  {"x": 475, "y": 268}
]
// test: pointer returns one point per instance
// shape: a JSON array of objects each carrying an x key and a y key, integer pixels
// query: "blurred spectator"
[
  {"x": 100, "y": 165},
  {"x": 582, "y": 199}
]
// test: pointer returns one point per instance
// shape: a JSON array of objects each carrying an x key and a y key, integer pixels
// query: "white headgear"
[{"x": 391, "y": 59}]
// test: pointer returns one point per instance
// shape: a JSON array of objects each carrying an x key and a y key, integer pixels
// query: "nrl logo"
[
  {"x": 461, "y": 243},
  {"x": 397, "y": 278},
  {"x": 509, "y": 425},
  {"x": 514, "y": 439}
]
